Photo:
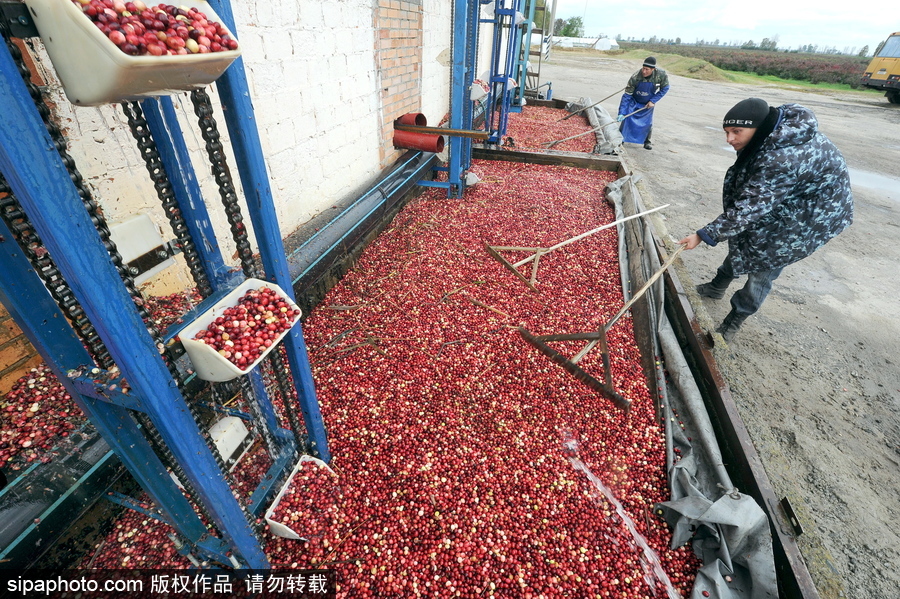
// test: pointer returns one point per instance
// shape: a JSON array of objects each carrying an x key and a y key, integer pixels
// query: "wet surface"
[{"x": 874, "y": 181}]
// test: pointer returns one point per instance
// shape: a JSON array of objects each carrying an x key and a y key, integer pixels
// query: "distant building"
[{"x": 596, "y": 43}]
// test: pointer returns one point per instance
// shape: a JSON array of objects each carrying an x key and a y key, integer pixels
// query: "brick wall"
[{"x": 398, "y": 56}]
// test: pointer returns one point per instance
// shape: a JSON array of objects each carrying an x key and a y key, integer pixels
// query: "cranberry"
[{"x": 169, "y": 22}]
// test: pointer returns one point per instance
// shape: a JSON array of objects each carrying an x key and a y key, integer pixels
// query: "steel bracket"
[{"x": 17, "y": 19}]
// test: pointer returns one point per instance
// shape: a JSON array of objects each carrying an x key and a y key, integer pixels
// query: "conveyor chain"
[
  {"x": 17, "y": 221},
  {"x": 285, "y": 388},
  {"x": 210, "y": 133},
  {"x": 209, "y": 130},
  {"x": 59, "y": 141},
  {"x": 30, "y": 242},
  {"x": 150, "y": 153},
  {"x": 43, "y": 265}
]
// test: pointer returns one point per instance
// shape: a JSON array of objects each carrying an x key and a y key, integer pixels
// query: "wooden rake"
[
  {"x": 580, "y": 110},
  {"x": 494, "y": 250},
  {"x": 605, "y": 387},
  {"x": 550, "y": 144}
]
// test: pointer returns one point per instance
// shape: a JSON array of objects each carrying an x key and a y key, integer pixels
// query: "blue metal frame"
[
  {"x": 41, "y": 183},
  {"x": 462, "y": 76},
  {"x": 26, "y": 299},
  {"x": 163, "y": 124},
  {"x": 523, "y": 56},
  {"x": 502, "y": 95},
  {"x": 500, "y": 98},
  {"x": 165, "y": 128},
  {"x": 241, "y": 122}
]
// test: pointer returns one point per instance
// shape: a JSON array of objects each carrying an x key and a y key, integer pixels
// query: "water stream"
[{"x": 653, "y": 570}]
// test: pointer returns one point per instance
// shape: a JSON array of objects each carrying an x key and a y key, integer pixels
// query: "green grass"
[{"x": 750, "y": 78}]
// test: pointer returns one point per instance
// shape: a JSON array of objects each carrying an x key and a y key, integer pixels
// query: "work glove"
[{"x": 620, "y": 118}]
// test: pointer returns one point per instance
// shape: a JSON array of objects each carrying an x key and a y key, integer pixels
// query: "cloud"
[{"x": 794, "y": 23}]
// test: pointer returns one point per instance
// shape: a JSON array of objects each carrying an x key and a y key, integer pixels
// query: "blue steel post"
[
  {"x": 173, "y": 153},
  {"x": 522, "y": 65},
  {"x": 163, "y": 124},
  {"x": 514, "y": 52},
  {"x": 473, "y": 30},
  {"x": 513, "y": 45},
  {"x": 522, "y": 36},
  {"x": 501, "y": 95},
  {"x": 499, "y": 77},
  {"x": 42, "y": 185},
  {"x": 457, "y": 162},
  {"x": 241, "y": 121}
]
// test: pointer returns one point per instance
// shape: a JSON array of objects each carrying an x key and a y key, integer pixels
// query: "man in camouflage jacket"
[{"x": 786, "y": 195}]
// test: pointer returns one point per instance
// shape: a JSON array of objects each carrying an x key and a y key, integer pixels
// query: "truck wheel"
[{"x": 893, "y": 96}]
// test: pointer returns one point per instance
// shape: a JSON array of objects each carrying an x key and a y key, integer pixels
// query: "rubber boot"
[
  {"x": 730, "y": 326},
  {"x": 716, "y": 288}
]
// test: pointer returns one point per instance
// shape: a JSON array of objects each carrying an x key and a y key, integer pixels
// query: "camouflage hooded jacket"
[{"x": 787, "y": 200}]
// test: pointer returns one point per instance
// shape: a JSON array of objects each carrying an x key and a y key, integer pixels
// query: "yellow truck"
[{"x": 884, "y": 71}]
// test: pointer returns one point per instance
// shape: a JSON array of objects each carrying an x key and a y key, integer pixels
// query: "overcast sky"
[{"x": 841, "y": 24}]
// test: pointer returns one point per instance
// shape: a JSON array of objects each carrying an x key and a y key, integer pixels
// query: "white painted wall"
[
  {"x": 310, "y": 65},
  {"x": 437, "y": 34}
]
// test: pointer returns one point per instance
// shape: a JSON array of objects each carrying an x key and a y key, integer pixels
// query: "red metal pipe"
[
  {"x": 419, "y": 141},
  {"x": 413, "y": 118}
]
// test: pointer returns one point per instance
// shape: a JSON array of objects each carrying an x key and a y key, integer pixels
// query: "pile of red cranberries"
[
  {"x": 35, "y": 414},
  {"x": 448, "y": 430},
  {"x": 140, "y": 30},
  {"x": 451, "y": 436},
  {"x": 309, "y": 505},
  {"x": 537, "y": 125},
  {"x": 244, "y": 331},
  {"x": 137, "y": 541}
]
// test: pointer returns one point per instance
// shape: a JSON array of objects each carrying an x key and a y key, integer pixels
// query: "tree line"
[
  {"x": 815, "y": 68},
  {"x": 574, "y": 27}
]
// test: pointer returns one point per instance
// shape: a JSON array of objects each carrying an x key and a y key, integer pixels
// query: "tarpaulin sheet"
[{"x": 609, "y": 139}]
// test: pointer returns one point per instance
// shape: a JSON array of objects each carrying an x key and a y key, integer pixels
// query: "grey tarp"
[
  {"x": 609, "y": 140},
  {"x": 729, "y": 532}
]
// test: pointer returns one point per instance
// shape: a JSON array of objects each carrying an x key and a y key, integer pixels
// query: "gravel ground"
[{"x": 814, "y": 373}]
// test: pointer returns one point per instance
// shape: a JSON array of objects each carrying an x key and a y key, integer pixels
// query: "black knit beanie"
[
  {"x": 749, "y": 113},
  {"x": 650, "y": 61}
]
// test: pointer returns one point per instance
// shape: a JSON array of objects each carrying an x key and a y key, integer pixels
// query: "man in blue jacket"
[
  {"x": 787, "y": 194},
  {"x": 645, "y": 88}
]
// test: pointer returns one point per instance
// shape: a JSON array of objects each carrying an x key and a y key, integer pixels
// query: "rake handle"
[
  {"x": 568, "y": 116},
  {"x": 553, "y": 143},
  {"x": 646, "y": 286},
  {"x": 587, "y": 233}
]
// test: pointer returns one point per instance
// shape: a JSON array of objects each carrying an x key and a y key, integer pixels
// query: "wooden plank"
[
  {"x": 550, "y": 157},
  {"x": 14, "y": 372},
  {"x": 8, "y": 330},
  {"x": 14, "y": 350}
]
